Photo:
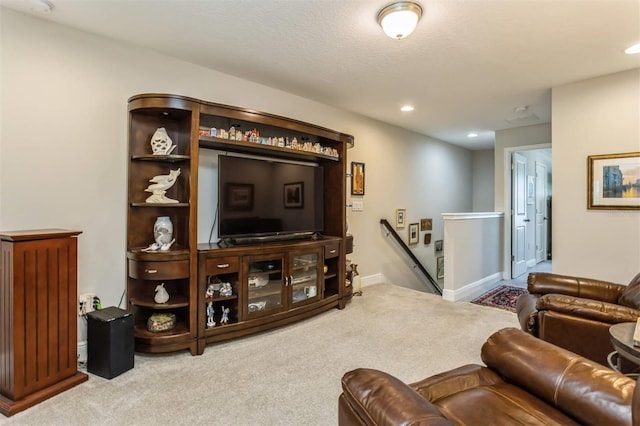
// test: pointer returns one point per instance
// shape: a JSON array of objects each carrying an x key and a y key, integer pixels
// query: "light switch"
[{"x": 357, "y": 205}]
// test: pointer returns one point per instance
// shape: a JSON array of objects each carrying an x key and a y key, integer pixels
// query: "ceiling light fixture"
[
  {"x": 472, "y": 135},
  {"x": 407, "y": 108},
  {"x": 633, "y": 49},
  {"x": 41, "y": 6},
  {"x": 398, "y": 20}
]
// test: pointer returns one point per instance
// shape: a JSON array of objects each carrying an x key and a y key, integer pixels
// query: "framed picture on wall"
[
  {"x": 440, "y": 267},
  {"x": 613, "y": 181},
  {"x": 357, "y": 178},
  {"x": 401, "y": 218},
  {"x": 438, "y": 247},
  {"x": 426, "y": 224},
  {"x": 413, "y": 233}
]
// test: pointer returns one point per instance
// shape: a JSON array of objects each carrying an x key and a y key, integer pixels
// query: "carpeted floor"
[
  {"x": 502, "y": 297},
  {"x": 288, "y": 376}
]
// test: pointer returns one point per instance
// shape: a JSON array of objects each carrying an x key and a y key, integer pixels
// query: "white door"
[
  {"x": 518, "y": 215},
  {"x": 541, "y": 212}
]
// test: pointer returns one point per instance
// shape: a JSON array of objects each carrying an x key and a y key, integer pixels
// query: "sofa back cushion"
[
  {"x": 582, "y": 389},
  {"x": 631, "y": 295}
]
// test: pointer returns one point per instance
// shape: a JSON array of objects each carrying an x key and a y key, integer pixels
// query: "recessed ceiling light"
[
  {"x": 633, "y": 49},
  {"x": 472, "y": 135},
  {"x": 407, "y": 108}
]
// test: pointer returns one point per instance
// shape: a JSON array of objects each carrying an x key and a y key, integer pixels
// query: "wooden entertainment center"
[{"x": 272, "y": 283}]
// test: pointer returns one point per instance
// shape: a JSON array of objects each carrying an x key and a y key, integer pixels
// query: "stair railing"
[{"x": 416, "y": 263}]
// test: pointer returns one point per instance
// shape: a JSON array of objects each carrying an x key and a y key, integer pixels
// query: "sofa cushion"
[{"x": 631, "y": 295}]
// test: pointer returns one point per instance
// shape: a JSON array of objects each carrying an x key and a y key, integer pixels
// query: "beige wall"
[
  {"x": 482, "y": 192},
  {"x": 63, "y": 141},
  {"x": 596, "y": 116}
]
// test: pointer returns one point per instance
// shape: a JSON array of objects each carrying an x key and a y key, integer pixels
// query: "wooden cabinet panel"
[
  {"x": 159, "y": 270},
  {"x": 38, "y": 320}
]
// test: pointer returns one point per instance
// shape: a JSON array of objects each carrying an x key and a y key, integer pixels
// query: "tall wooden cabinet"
[
  {"x": 186, "y": 268},
  {"x": 38, "y": 317}
]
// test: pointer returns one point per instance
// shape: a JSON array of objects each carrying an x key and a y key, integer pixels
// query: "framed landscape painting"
[{"x": 613, "y": 181}]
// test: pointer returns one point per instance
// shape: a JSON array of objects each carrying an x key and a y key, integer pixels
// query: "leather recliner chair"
[
  {"x": 525, "y": 381},
  {"x": 576, "y": 313}
]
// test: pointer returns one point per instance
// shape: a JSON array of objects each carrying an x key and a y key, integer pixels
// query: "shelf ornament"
[
  {"x": 159, "y": 186},
  {"x": 161, "y": 143},
  {"x": 162, "y": 296}
]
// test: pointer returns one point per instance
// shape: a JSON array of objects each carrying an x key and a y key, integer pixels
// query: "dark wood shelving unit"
[{"x": 188, "y": 268}]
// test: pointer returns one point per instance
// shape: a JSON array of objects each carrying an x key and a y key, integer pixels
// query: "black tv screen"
[{"x": 260, "y": 197}]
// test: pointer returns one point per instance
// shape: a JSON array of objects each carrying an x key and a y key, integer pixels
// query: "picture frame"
[
  {"x": 413, "y": 233},
  {"x": 239, "y": 196},
  {"x": 401, "y": 215},
  {"x": 613, "y": 181},
  {"x": 427, "y": 239},
  {"x": 294, "y": 195},
  {"x": 357, "y": 178},
  {"x": 426, "y": 224},
  {"x": 440, "y": 267},
  {"x": 438, "y": 246}
]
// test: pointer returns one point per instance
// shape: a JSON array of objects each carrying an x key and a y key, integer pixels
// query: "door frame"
[{"x": 506, "y": 161}]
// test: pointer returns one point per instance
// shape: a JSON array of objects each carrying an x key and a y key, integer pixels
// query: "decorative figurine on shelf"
[
  {"x": 161, "y": 143},
  {"x": 225, "y": 316},
  {"x": 160, "y": 185},
  {"x": 161, "y": 294},
  {"x": 159, "y": 247},
  {"x": 209, "y": 292},
  {"x": 226, "y": 289},
  {"x": 210, "y": 322},
  {"x": 162, "y": 234}
]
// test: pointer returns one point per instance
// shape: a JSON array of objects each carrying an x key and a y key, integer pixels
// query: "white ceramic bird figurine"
[{"x": 159, "y": 186}]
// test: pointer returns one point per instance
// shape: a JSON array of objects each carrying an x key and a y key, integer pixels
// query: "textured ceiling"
[{"x": 466, "y": 68}]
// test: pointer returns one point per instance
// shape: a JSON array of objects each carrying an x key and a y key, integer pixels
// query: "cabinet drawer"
[
  {"x": 331, "y": 250},
  {"x": 159, "y": 270},
  {"x": 222, "y": 265}
]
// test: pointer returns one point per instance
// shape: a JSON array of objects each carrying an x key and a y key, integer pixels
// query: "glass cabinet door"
[
  {"x": 265, "y": 290},
  {"x": 304, "y": 280}
]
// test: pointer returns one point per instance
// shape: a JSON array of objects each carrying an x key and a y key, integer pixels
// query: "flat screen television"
[{"x": 268, "y": 199}]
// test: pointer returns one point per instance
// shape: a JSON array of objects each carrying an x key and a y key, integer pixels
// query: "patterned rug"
[{"x": 503, "y": 297}]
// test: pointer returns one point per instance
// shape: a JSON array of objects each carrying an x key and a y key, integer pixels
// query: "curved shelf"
[
  {"x": 180, "y": 330},
  {"x": 326, "y": 277},
  {"x": 171, "y": 158},
  {"x": 179, "y": 253},
  {"x": 176, "y": 301},
  {"x": 159, "y": 204},
  {"x": 220, "y": 298}
]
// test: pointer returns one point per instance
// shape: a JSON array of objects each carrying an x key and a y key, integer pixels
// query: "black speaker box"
[{"x": 110, "y": 342}]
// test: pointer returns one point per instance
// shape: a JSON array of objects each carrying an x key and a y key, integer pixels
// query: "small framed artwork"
[
  {"x": 413, "y": 233},
  {"x": 613, "y": 181},
  {"x": 239, "y": 196},
  {"x": 440, "y": 267},
  {"x": 427, "y": 239},
  {"x": 426, "y": 224},
  {"x": 438, "y": 246},
  {"x": 400, "y": 218},
  {"x": 294, "y": 195},
  {"x": 357, "y": 178}
]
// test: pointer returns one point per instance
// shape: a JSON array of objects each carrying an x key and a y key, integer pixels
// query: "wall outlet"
[
  {"x": 357, "y": 205},
  {"x": 85, "y": 303}
]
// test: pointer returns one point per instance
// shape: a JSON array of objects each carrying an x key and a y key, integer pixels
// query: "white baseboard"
[
  {"x": 372, "y": 279},
  {"x": 472, "y": 290},
  {"x": 82, "y": 351}
]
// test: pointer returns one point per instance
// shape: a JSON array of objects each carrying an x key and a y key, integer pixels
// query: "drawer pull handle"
[
  {"x": 332, "y": 251},
  {"x": 151, "y": 271},
  {"x": 223, "y": 265}
]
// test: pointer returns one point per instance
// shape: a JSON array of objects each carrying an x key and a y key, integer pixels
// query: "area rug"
[{"x": 503, "y": 297}]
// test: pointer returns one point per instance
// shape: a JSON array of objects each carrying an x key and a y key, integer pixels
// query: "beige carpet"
[{"x": 289, "y": 376}]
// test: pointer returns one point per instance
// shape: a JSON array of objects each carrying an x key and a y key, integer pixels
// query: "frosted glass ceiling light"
[
  {"x": 633, "y": 49},
  {"x": 398, "y": 20}
]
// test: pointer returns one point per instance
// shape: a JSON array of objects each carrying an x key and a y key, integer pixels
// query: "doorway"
[{"x": 531, "y": 193}]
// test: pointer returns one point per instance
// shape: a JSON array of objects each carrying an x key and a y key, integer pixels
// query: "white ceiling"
[{"x": 466, "y": 68}]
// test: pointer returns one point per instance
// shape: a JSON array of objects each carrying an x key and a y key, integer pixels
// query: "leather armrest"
[
  {"x": 455, "y": 381},
  {"x": 381, "y": 399},
  {"x": 587, "y": 308},
  {"x": 583, "y": 389},
  {"x": 528, "y": 313},
  {"x": 545, "y": 283}
]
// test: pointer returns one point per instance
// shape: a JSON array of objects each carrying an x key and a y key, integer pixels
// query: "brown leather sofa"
[
  {"x": 525, "y": 381},
  {"x": 576, "y": 313}
]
